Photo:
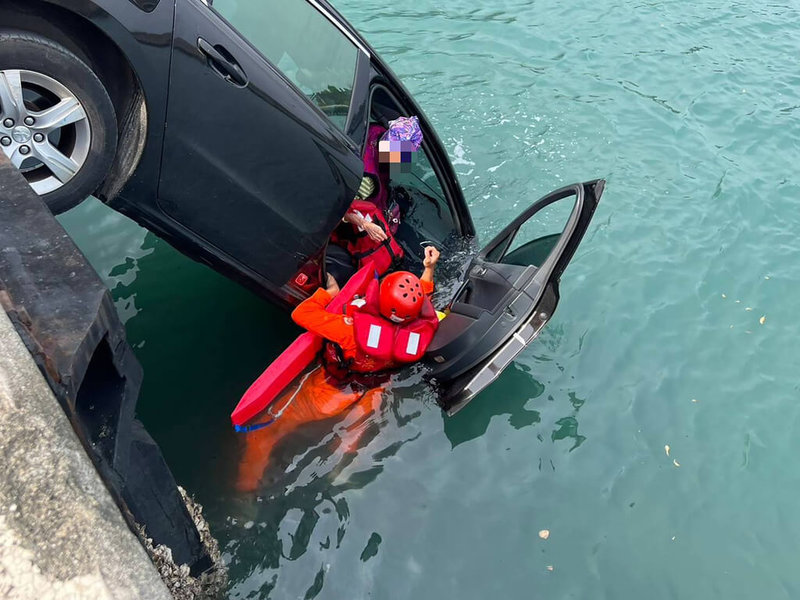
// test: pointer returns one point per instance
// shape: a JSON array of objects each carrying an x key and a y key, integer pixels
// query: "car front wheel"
[{"x": 57, "y": 122}]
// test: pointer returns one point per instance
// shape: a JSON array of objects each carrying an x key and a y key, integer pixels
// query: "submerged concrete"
[{"x": 61, "y": 533}]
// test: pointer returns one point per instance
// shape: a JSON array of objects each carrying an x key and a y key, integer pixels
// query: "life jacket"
[
  {"x": 381, "y": 344},
  {"x": 384, "y": 255}
]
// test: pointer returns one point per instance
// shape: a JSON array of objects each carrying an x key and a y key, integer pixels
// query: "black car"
[{"x": 235, "y": 130}]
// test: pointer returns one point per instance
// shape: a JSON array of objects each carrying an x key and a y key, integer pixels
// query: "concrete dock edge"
[{"x": 61, "y": 533}]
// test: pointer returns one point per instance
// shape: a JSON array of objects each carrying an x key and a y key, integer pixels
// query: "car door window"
[
  {"x": 431, "y": 208},
  {"x": 421, "y": 177},
  {"x": 535, "y": 239},
  {"x": 303, "y": 44}
]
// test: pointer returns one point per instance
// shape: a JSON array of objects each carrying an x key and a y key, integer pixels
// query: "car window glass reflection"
[
  {"x": 303, "y": 44},
  {"x": 421, "y": 176},
  {"x": 426, "y": 207}
]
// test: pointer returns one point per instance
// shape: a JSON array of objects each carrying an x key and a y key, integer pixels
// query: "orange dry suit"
[{"x": 326, "y": 392}]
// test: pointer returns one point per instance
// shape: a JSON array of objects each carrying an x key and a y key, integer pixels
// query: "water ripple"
[{"x": 689, "y": 111}]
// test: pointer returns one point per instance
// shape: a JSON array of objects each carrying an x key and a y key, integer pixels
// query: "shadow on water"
[
  {"x": 201, "y": 340},
  {"x": 299, "y": 515},
  {"x": 509, "y": 395},
  {"x": 513, "y": 394}
]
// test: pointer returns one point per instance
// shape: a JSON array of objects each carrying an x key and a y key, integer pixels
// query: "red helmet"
[{"x": 401, "y": 296}]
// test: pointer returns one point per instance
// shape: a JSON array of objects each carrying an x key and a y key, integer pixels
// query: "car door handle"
[{"x": 222, "y": 63}]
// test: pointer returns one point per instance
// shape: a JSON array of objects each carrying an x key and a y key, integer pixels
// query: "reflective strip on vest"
[
  {"x": 413, "y": 344},
  {"x": 374, "y": 337}
]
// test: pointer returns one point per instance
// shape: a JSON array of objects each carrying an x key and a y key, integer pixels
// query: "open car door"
[
  {"x": 509, "y": 293},
  {"x": 256, "y": 159}
]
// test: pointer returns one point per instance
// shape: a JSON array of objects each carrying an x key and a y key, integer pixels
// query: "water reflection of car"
[{"x": 235, "y": 130}]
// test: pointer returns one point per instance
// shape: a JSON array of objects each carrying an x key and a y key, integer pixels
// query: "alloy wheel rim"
[{"x": 44, "y": 129}]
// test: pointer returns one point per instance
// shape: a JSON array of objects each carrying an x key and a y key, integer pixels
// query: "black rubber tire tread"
[{"x": 25, "y": 50}]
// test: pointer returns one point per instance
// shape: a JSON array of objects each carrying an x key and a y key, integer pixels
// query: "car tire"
[{"x": 64, "y": 159}]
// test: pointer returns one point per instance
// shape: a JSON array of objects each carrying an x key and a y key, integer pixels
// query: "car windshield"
[{"x": 303, "y": 44}]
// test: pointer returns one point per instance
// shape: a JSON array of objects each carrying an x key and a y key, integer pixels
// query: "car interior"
[
  {"x": 425, "y": 210},
  {"x": 426, "y": 214}
]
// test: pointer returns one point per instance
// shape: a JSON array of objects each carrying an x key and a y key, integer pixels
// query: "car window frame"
[
  {"x": 502, "y": 241},
  {"x": 360, "y": 71},
  {"x": 429, "y": 147}
]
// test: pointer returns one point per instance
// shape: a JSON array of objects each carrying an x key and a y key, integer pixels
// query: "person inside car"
[
  {"x": 372, "y": 217},
  {"x": 391, "y": 325}
]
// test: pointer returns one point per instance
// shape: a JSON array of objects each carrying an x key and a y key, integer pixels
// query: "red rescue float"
[{"x": 293, "y": 361}]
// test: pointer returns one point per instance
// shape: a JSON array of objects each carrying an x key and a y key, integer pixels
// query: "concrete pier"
[
  {"x": 79, "y": 475},
  {"x": 61, "y": 533}
]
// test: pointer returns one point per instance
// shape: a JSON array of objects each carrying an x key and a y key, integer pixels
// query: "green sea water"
[{"x": 677, "y": 327}]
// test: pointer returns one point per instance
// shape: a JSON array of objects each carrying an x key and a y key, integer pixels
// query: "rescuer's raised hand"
[
  {"x": 429, "y": 262},
  {"x": 431, "y": 257}
]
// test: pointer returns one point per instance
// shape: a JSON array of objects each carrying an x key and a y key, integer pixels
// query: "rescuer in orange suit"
[{"x": 352, "y": 374}]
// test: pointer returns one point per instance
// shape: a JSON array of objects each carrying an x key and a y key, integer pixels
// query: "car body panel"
[
  {"x": 146, "y": 5},
  {"x": 255, "y": 169},
  {"x": 145, "y": 39}
]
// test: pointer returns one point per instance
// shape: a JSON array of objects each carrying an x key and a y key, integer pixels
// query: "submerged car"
[{"x": 234, "y": 129}]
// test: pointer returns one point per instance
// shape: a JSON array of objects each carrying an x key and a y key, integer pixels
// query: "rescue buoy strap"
[
  {"x": 248, "y": 428},
  {"x": 275, "y": 416}
]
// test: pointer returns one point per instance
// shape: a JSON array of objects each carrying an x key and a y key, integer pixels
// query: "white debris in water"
[
  {"x": 414, "y": 566},
  {"x": 459, "y": 154},
  {"x": 249, "y": 525}
]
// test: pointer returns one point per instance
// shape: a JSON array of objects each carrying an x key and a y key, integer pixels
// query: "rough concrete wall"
[{"x": 61, "y": 534}]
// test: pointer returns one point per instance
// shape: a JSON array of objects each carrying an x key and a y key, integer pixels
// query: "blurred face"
[{"x": 396, "y": 154}]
